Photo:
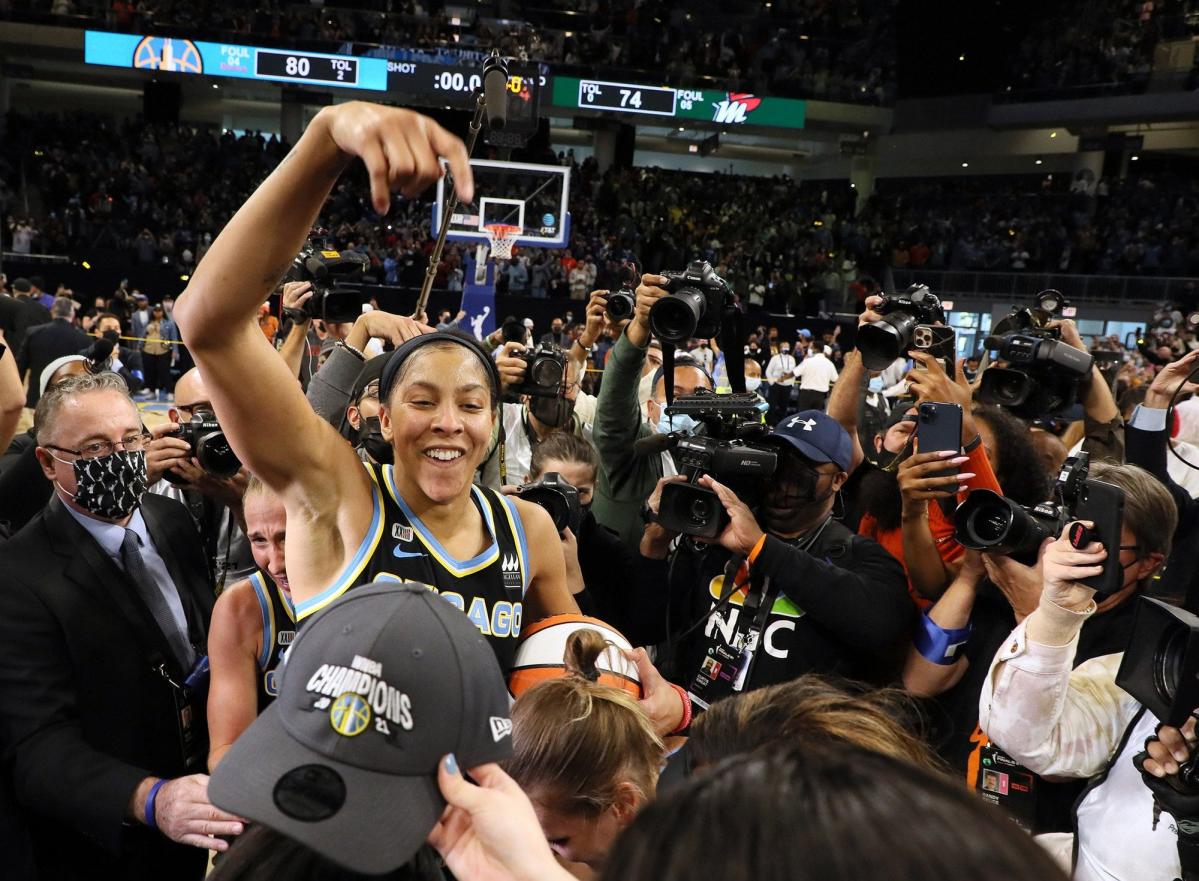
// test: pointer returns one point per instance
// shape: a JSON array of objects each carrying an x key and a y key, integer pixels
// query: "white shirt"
[
  {"x": 1062, "y": 722},
  {"x": 779, "y": 368},
  {"x": 816, "y": 373},
  {"x": 110, "y": 536}
]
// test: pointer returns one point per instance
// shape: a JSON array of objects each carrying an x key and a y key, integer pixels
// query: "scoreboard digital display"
[
  {"x": 668, "y": 102},
  {"x": 456, "y": 86},
  {"x": 177, "y": 55}
]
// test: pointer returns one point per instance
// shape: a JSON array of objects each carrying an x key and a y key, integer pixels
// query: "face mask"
[
  {"x": 111, "y": 486},
  {"x": 645, "y": 388},
  {"x": 752, "y": 383},
  {"x": 876, "y": 383},
  {"x": 681, "y": 423},
  {"x": 552, "y": 412},
  {"x": 783, "y": 350},
  {"x": 112, "y": 335},
  {"x": 370, "y": 438}
]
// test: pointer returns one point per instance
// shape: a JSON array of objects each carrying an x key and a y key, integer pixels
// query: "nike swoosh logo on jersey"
[{"x": 402, "y": 553}]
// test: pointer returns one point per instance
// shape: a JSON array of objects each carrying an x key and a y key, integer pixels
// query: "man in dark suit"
[
  {"x": 20, "y": 312},
  {"x": 105, "y": 600},
  {"x": 47, "y": 342}
]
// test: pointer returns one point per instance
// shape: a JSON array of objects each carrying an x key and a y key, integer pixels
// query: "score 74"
[{"x": 628, "y": 97}]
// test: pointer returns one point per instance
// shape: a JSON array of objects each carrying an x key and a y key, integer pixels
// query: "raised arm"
[
  {"x": 12, "y": 396},
  {"x": 249, "y": 383}
]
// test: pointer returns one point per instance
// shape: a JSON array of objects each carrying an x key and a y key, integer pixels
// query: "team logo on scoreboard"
[
  {"x": 168, "y": 53},
  {"x": 734, "y": 109}
]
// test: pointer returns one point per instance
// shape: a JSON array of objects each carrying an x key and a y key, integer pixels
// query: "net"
[{"x": 502, "y": 238}]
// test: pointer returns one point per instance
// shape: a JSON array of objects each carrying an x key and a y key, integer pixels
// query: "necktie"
[{"x": 135, "y": 566}]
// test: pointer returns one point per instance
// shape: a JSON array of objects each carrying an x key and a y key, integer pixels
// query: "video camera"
[
  {"x": 697, "y": 300},
  {"x": 728, "y": 452},
  {"x": 327, "y": 268},
  {"x": 558, "y": 497},
  {"x": 993, "y": 524},
  {"x": 1043, "y": 373},
  {"x": 210, "y": 447},
  {"x": 882, "y": 341}
]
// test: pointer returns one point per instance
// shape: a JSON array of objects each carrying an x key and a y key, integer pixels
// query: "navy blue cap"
[{"x": 818, "y": 436}]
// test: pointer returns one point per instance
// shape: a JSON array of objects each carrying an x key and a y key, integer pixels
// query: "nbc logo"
[{"x": 733, "y": 109}]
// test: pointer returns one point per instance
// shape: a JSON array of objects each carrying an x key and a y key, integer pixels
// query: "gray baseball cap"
[{"x": 375, "y": 690}]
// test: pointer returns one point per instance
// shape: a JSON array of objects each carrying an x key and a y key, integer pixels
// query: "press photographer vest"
[
  {"x": 489, "y": 588},
  {"x": 278, "y": 632}
]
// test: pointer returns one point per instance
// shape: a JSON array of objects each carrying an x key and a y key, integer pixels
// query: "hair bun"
[{"x": 583, "y": 649}]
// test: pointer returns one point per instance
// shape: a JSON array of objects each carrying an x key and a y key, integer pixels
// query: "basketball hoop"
[{"x": 502, "y": 238}]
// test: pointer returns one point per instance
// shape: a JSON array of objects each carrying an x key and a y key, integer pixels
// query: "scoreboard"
[{"x": 177, "y": 55}]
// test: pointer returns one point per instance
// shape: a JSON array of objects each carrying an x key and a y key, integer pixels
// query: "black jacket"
[
  {"x": 17, "y": 316},
  {"x": 84, "y": 715},
  {"x": 620, "y": 591},
  {"x": 841, "y": 607},
  {"x": 1179, "y": 578},
  {"x": 42, "y": 345}
]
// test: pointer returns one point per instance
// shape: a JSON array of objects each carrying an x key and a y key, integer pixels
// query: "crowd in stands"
[{"x": 796, "y": 48}]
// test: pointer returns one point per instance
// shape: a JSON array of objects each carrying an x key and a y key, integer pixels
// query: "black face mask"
[
  {"x": 113, "y": 335},
  {"x": 370, "y": 438},
  {"x": 552, "y": 412}
]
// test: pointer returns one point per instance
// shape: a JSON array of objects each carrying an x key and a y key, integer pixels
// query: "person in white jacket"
[{"x": 780, "y": 377}]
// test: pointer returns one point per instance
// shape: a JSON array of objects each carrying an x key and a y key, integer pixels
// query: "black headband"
[{"x": 406, "y": 349}]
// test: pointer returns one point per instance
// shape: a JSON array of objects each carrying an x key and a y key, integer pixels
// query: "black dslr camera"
[
  {"x": 1160, "y": 667},
  {"x": 698, "y": 298},
  {"x": 558, "y": 497},
  {"x": 728, "y": 452},
  {"x": 993, "y": 524},
  {"x": 327, "y": 268},
  {"x": 882, "y": 341},
  {"x": 210, "y": 447},
  {"x": 545, "y": 372},
  {"x": 621, "y": 304},
  {"x": 1043, "y": 373}
]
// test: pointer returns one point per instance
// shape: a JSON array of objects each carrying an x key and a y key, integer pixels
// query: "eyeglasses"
[
  {"x": 98, "y": 449},
  {"x": 370, "y": 392}
]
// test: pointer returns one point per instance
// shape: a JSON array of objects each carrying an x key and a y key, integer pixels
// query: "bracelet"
[
  {"x": 973, "y": 445},
  {"x": 938, "y": 645},
  {"x": 151, "y": 821},
  {"x": 686, "y": 723},
  {"x": 753, "y": 555},
  {"x": 343, "y": 344}
]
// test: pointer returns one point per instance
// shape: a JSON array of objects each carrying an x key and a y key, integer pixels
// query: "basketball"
[{"x": 540, "y": 655}]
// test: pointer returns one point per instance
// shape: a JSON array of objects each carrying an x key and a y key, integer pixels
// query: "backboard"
[{"x": 532, "y": 197}]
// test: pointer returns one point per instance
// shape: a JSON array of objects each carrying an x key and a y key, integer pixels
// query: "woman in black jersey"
[{"x": 420, "y": 519}]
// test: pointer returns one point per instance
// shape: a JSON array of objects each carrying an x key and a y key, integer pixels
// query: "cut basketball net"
[{"x": 502, "y": 238}]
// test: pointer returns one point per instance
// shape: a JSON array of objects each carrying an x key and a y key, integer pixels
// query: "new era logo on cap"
[{"x": 500, "y": 728}]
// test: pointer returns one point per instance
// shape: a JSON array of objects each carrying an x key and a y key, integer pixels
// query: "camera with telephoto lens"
[
  {"x": 994, "y": 524},
  {"x": 558, "y": 497},
  {"x": 882, "y": 341},
  {"x": 694, "y": 307},
  {"x": 621, "y": 304},
  {"x": 729, "y": 452},
  {"x": 545, "y": 372},
  {"x": 1043, "y": 373},
  {"x": 326, "y": 269},
  {"x": 210, "y": 447}
]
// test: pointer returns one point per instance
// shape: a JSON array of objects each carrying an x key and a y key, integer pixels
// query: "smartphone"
[
  {"x": 938, "y": 428},
  {"x": 1103, "y": 504},
  {"x": 939, "y": 342}
]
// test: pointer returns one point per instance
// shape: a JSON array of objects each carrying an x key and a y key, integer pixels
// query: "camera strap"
[
  {"x": 668, "y": 370},
  {"x": 734, "y": 352}
]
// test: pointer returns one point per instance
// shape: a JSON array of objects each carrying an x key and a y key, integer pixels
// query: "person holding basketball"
[{"x": 349, "y": 524}]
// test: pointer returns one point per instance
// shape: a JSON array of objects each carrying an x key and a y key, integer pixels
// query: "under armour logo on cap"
[{"x": 808, "y": 424}]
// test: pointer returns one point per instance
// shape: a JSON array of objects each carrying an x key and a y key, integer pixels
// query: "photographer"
[
  {"x": 807, "y": 595},
  {"x": 614, "y": 586},
  {"x": 1077, "y": 723},
  {"x": 125, "y": 361},
  {"x": 918, "y": 534},
  {"x": 1148, "y": 441},
  {"x": 215, "y": 503},
  {"x": 627, "y": 477},
  {"x": 534, "y": 417}
]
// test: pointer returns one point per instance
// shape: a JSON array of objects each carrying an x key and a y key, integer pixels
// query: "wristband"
[
  {"x": 938, "y": 645},
  {"x": 299, "y": 316},
  {"x": 686, "y": 708},
  {"x": 753, "y": 555},
  {"x": 150, "y": 800},
  {"x": 973, "y": 445},
  {"x": 343, "y": 344},
  {"x": 648, "y": 514}
]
